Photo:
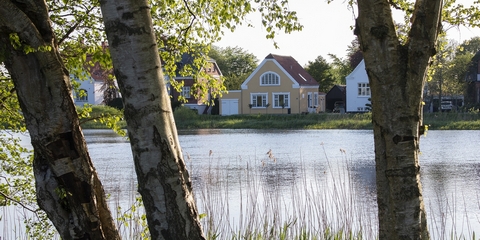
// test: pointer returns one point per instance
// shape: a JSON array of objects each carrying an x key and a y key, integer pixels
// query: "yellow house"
[{"x": 278, "y": 85}]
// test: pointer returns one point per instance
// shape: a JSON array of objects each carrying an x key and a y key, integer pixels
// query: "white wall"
[
  {"x": 92, "y": 87},
  {"x": 354, "y": 102}
]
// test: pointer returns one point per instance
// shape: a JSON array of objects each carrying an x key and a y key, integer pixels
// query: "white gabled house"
[
  {"x": 358, "y": 90},
  {"x": 91, "y": 92}
]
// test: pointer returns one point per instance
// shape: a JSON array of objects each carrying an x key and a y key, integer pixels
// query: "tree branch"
[
  {"x": 192, "y": 14},
  {"x": 18, "y": 202},
  {"x": 73, "y": 28}
]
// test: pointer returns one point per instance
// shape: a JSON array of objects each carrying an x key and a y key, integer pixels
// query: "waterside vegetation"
[{"x": 188, "y": 119}]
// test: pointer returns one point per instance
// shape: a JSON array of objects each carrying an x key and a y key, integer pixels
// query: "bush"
[
  {"x": 185, "y": 113},
  {"x": 116, "y": 103},
  {"x": 100, "y": 116}
]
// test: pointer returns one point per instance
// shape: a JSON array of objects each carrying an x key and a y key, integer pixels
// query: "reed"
[
  {"x": 248, "y": 199},
  {"x": 319, "y": 205}
]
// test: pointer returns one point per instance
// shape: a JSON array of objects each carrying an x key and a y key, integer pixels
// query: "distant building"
[
  {"x": 196, "y": 103},
  {"x": 278, "y": 85},
  {"x": 96, "y": 88},
  {"x": 358, "y": 90},
  {"x": 336, "y": 96}
]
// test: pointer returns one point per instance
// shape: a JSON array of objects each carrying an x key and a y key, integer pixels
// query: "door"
[{"x": 229, "y": 107}]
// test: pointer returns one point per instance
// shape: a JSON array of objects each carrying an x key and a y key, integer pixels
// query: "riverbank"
[{"x": 187, "y": 119}]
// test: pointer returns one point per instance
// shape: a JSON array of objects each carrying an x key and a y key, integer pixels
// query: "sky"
[{"x": 327, "y": 29}]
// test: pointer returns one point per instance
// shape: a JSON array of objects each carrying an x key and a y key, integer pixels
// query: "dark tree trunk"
[
  {"x": 68, "y": 188},
  {"x": 397, "y": 73}
]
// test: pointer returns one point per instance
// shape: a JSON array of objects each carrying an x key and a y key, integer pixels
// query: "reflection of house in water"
[
  {"x": 364, "y": 177},
  {"x": 279, "y": 177}
]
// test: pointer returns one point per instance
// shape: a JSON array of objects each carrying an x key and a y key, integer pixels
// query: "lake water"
[
  {"x": 318, "y": 160},
  {"x": 320, "y": 177}
]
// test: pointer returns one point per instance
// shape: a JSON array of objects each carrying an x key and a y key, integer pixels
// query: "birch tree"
[
  {"x": 397, "y": 69},
  {"x": 68, "y": 188},
  {"x": 163, "y": 179}
]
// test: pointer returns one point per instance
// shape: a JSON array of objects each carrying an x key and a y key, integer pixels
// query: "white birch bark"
[{"x": 163, "y": 179}]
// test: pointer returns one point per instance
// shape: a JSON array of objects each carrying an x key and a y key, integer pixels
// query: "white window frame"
[
  {"x": 254, "y": 98},
  {"x": 315, "y": 99},
  {"x": 363, "y": 90},
  {"x": 276, "y": 102},
  {"x": 185, "y": 91},
  {"x": 84, "y": 97},
  {"x": 269, "y": 79}
]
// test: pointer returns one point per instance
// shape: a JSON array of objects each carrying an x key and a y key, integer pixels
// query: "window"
[
  {"x": 363, "y": 89},
  {"x": 312, "y": 99},
  {"x": 269, "y": 78},
  {"x": 281, "y": 98},
  {"x": 309, "y": 97},
  {"x": 259, "y": 100},
  {"x": 185, "y": 92},
  {"x": 81, "y": 95}
]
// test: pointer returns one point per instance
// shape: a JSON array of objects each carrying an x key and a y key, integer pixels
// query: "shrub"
[{"x": 185, "y": 113}]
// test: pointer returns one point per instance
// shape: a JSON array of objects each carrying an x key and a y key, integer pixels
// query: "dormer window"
[{"x": 269, "y": 78}]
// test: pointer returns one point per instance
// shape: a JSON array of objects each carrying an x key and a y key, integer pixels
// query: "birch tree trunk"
[
  {"x": 68, "y": 188},
  {"x": 397, "y": 74},
  {"x": 163, "y": 179}
]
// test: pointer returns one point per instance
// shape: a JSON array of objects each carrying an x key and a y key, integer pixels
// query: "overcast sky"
[{"x": 327, "y": 29}]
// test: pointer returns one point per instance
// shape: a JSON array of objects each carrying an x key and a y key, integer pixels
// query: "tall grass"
[
  {"x": 250, "y": 200},
  {"x": 320, "y": 205}
]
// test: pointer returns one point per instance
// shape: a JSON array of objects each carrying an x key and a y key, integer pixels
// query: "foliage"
[
  {"x": 321, "y": 71},
  {"x": 109, "y": 117},
  {"x": 469, "y": 47},
  {"x": 340, "y": 68},
  {"x": 449, "y": 68},
  {"x": 134, "y": 217},
  {"x": 17, "y": 190},
  {"x": 437, "y": 78},
  {"x": 192, "y": 26},
  {"x": 235, "y": 63},
  {"x": 184, "y": 113}
]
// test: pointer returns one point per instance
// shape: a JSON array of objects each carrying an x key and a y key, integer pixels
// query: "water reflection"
[{"x": 315, "y": 160}]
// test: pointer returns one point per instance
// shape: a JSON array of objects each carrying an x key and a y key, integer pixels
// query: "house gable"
[
  {"x": 288, "y": 66},
  {"x": 357, "y": 89},
  {"x": 262, "y": 68}
]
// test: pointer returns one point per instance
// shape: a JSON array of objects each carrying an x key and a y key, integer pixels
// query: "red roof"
[{"x": 294, "y": 69}]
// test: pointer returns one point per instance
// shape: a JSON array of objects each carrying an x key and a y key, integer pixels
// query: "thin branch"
[
  {"x": 19, "y": 203},
  {"x": 192, "y": 14},
  {"x": 72, "y": 28}
]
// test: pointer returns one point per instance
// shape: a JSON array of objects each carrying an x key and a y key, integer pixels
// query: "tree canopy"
[
  {"x": 235, "y": 63},
  {"x": 321, "y": 71}
]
